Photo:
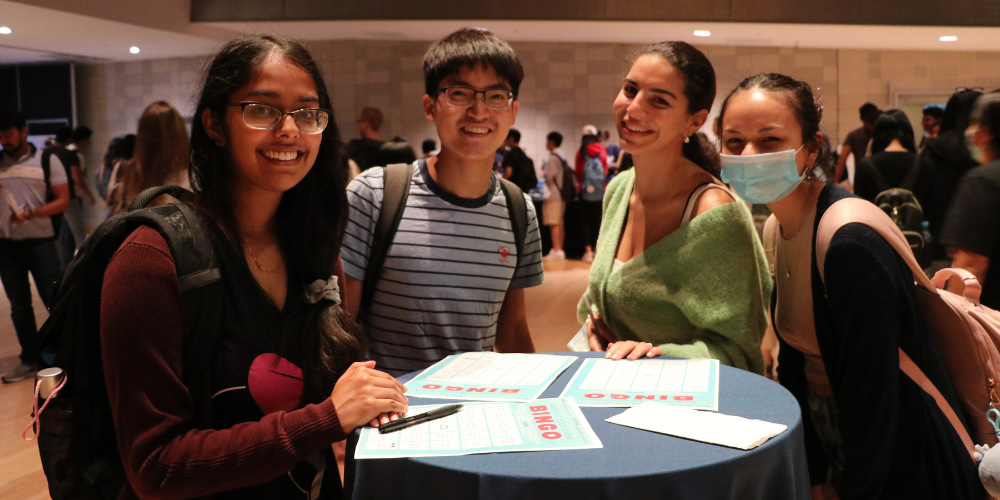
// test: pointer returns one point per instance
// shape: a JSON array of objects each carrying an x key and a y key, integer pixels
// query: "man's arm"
[
  {"x": 512, "y": 325},
  {"x": 972, "y": 262},
  {"x": 352, "y": 295}
]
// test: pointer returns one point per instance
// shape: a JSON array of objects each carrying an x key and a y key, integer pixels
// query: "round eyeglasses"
[
  {"x": 463, "y": 97},
  {"x": 265, "y": 117}
]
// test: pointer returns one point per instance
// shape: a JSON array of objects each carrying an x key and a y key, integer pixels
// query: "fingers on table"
[{"x": 629, "y": 349}]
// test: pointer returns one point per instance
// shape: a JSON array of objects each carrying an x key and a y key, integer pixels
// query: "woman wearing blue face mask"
[
  {"x": 871, "y": 432},
  {"x": 678, "y": 270}
]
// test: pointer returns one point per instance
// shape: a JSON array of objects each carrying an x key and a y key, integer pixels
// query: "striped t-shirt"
[{"x": 446, "y": 272}]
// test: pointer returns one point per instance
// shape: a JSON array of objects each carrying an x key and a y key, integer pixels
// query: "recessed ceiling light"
[
  {"x": 702, "y": 33},
  {"x": 948, "y": 38},
  {"x": 133, "y": 49},
  {"x": 5, "y": 30}
]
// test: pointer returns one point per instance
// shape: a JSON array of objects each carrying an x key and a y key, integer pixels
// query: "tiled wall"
[{"x": 566, "y": 85}]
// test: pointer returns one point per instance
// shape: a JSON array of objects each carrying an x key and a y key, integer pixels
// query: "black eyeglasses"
[
  {"x": 463, "y": 97},
  {"x": 265, "y": 117},
  {"x": 963, "y": 89}
]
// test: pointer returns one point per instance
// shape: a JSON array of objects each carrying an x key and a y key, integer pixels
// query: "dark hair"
[
  {"x": 585, "y": 141},
  {"x": 893, "y": 124},
  {"x": 934, "y": 111},
  {"x": 120, "y": 148},
  {"x": 428, "y": 145},
  {"x": 627, "y": 163},
  {"x": 514, "y": 134},
  {"x": 82, "y": 133},
  {"x": 699, "y": 87},
  {"x": 803, "y": 103},
  {"x": 373, "y": 117},
  {"x": 470, "y": 48},
  {"x": 10, "y": 118},
  {"x": 63, "y": 134},
  {"x": 869, "y": 112},
  {"x": 714, "y": 166},
  {"x": 956, "y": 112},
  {"x": 311, "y": 217},
  {"x": 987, "y": 112},
  {"x": 555, "y": 137}
]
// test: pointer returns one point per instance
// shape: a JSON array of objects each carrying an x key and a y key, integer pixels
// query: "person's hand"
[
  {"x": 363, "y": 393},
  {"x": 630, "y": 349},
  {"x": 21, "y": 218},
  {"x": 598, "y": 333}
]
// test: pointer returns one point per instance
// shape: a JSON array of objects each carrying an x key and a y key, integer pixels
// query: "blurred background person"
[
  {"x": 931, "y": 123},
  {"x": 517, "y": 167},
  {"x": 856, "y": 143},
  {"x": 893, "y": 155},
  {"x": 554, "y": 206},
  {"x": 120, "y": 149},
  {"x": 943, "y": 161},
  {"x": 161, "y": 157},
  {"x": 972, "y": 228},
  {"x": 362, "y": 151},
  {"x": 73, "y": 231},
  {"x": 428, "y": 148},
  {"x": 591, "y": 172}
]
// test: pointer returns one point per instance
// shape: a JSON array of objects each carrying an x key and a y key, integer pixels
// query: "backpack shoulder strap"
[
  {"x": 517, "y": 208},
  {"x": 850, "y": 210},
  {"x": 396, "y": 188}
]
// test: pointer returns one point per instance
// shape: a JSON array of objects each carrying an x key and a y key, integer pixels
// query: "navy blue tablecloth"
[{"x": 634, "y": 464}]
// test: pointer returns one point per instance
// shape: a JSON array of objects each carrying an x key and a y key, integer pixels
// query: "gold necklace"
[{"x": 256, "y": 262}]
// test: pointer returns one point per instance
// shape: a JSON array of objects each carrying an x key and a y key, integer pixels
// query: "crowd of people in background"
[{"x": 678, "y": 267}]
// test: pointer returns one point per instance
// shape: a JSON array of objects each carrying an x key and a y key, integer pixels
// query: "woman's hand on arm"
[
  {"x": 598, "y": 334},
  {"x": 363, "y": 394}
]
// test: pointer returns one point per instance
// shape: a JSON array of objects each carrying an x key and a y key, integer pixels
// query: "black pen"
[{"x": 405, "y": 422}]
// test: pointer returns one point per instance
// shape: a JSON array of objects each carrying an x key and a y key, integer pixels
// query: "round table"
[{"x": 634, "y": 464}]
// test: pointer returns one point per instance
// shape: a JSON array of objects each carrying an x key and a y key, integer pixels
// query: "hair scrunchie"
[{"x": 322, "y": 289}]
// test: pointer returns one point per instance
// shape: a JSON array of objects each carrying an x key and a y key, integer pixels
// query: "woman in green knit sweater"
[{"x": 679, "y": 270}]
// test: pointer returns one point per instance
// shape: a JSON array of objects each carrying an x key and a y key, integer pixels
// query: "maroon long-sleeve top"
[{"x": 165, "y": 455}]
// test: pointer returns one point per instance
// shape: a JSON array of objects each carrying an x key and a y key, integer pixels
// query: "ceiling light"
[
  {"x": 948, "y": 38},
  {"x": 702, "y": 33},
  {"x": 5, "y": 30},
  {"x": 133, "y": 49}
]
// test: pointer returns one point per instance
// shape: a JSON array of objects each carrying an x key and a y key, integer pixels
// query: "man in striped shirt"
[{"x": 452, "y": 280}]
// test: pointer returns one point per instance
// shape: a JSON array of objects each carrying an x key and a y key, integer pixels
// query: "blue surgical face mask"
[
  {"x": 762, "y": 178},
  {"x": 974, "y": 151}
]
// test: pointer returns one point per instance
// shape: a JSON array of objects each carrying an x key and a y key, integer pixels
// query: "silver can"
[{"x": 50, "y": 378}]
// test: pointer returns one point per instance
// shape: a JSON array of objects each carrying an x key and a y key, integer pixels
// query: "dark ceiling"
[{"x": 980, "y": 13}]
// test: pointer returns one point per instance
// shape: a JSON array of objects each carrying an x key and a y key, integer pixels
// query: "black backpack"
[
  {"x": 396, "y": 189},
  {"x": 77, "y": 443},
  {"x": 568, "y": 190},
  {"x": 901, "y": 205}
]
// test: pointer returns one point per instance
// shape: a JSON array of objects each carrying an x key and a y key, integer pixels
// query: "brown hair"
[
  {"x": 161, "y": 152},
  {"x": 373, "y": 117}
]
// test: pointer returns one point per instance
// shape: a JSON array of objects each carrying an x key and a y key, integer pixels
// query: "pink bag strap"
[
  {"x": 971, "y": 289},
  {"x": 913, "y": 371},
  {"x": 851, "y": 210}
]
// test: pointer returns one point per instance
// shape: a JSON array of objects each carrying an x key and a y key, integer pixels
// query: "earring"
[{"x": 687, "y": 140}]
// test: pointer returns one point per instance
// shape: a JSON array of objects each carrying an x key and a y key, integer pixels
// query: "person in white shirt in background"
[{"x": 554, "y": 207}]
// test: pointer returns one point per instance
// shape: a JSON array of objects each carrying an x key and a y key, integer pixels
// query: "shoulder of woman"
[{"x": 710, "y": 199}]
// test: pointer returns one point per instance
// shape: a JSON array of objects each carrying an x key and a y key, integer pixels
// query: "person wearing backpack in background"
[
  {"x": 891, "y": 161},
  {"x": 450, "y": 277},
  {"x": 517, "y": 167},
  {"x": 591, "y": 174},
  {"x": 120, "y": 150},
  {"x": 972, "y": 227},
  {"x": 557, "y": 192},
  {"x": 27, "y": 238},
  {"x": 849, "y": 319},
  {"x": 286, "y": 378}
]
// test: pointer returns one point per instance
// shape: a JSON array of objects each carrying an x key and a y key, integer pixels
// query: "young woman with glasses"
[
  {"x": 679, "y": 269},
  {"x": 284, "y": 382}
]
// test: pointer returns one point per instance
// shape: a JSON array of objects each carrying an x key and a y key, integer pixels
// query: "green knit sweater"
[{"x": 700, "y": 292}]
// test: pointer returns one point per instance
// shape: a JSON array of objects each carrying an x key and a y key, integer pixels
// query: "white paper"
[
  {"x": 707, "y": 427},
  {"x": 12, "y": 203},
  {"x": 580, "y": 342}
]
